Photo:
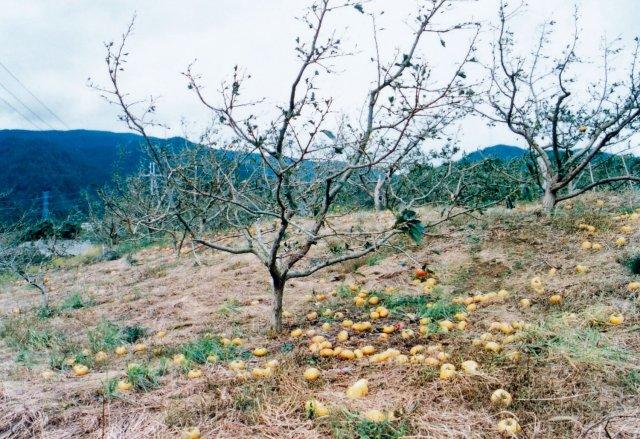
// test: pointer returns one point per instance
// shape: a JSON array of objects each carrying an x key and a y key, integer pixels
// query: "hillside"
[
  {"x": 69, "y": 164},
  {"x": 188, "y": 329},
  {"x": 65, "y": 163},
  {"x": 502, "y": 152}
]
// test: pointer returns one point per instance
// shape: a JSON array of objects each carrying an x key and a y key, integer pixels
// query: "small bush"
[
  {"x": 633, "y": 264},
  {"x": 424, "y": 306},
  {"x": 143, "y": 377},
  {"x": 230, "y": 306},
  {"x": 20, "y": 333},
  {"x": 105, "y": 337},
  {"x": 352, "y": 425},
  {"x": 132, "y": 334},
  {"x": 47, "y": 311},
  {"x": 374, "y": 259},
  {"x": 198, "y": 350},
  {"x": 74, "y": 301}
]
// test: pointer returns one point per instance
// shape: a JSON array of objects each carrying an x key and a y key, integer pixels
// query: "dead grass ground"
[{"x": 577, "y": 376}]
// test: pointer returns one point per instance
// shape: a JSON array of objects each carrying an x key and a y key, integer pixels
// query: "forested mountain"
[{"x": 69, "y": 164}]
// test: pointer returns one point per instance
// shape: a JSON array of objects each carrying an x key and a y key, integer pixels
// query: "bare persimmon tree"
[
  {"x": 281, "y": 186},
  {"x": 567, "y": 120}
]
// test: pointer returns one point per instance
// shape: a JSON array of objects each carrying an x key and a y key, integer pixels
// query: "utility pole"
[
  {"x": 153, "y": 184},
  {"x": 45, "y": 205}
]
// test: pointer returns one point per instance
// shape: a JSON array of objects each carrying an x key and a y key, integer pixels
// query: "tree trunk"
[
  {"x": 549, "y": 200},
  {"x": 278, "y": 292},
  {"x": 378, "y": 195}
]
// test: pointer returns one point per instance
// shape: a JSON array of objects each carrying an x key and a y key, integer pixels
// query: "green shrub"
[{"x": 198, "y": 350}]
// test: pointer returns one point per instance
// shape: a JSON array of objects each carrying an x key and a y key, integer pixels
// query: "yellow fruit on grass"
[
  {"x": 311, "y": 374},
  {"x": 581, "y": 269},
  {"x": 472, "y": 307},
  {"x": 312, "y": 316},
  {"x": 347, "y": 354},
  {"x": 338, "y": 315},
  {"x": 296, "y": 333},
  {"x": 525, "y": 303},
  {"x": 237, "y": 365},
  {"x": 374, "y": 300},
  {"x": 260, "y": 352},
  {"x": 492, "y": 346},
  {"x": 318, "y": 338},
  {"x": 359, "y": 389},
  {"x": 139, "y": 347},
  {"x": 287, "y": 314},
  {"x": 120, "y": 351},
  {"x": 316, "y": 409},
  {"x": 259, "y": 372},
  {"x": 401, "y": 359},
  {"x": 343, "y": 336},
  {"x": 101, "y": 357},
  {"x": 470, "y": 367},
  {"x": 552, "y": 271},
  {"x": 406, "y": 334},
  {"x": 375, "y": 415},
  {"x": 212, "y": 358},
  {"x": 359, "y": 301},
  {"x": 536, "y": 283},
  {"x": 626, "y": 229},
  {"x": 347, "y": 323},
  {"x": 633, "y": 286},
  {"x": 388, "y": 329},
  {"x": 506, "y": 328},
  {"x": 178, "y": 359},
  {"x": 616, "y": 319},
  {"x": 556, "y": 299},
  {"x": 501, "y": 397},
  {"x": 447, "y": 371},
  {"x": 620, "y": 241},
  {"x": 368, "y": 350},
  {"x": 80, "y": 370},
  {"x": 459, "y": 317},
  {"x": 194, "y": 374},
  {"x": 237, "y": 341},
  {"x": 326, "y": 352},
  {"x": 508, "y": 427},
  {"x": 384, "y": 312},
  {"x": 513, "y": 356},
  {"x": 191, "y": 433},
  {"x": 446, "y": 325},
  {"x": 124, "y": 385},
  {"x": 596, "y": 247},
  {"x": 374, "y": 315},
  {"x": 586, "y": 245},
  {"x": 161, "y": 334}
]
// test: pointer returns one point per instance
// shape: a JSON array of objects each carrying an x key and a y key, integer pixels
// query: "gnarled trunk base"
[{"x": 278, "y": 293}]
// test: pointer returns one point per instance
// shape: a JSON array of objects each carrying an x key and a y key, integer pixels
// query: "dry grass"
[{"x": 578, "y": 376}]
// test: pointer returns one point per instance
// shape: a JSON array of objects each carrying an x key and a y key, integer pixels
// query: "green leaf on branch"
[{"x": 407, "y": 222}]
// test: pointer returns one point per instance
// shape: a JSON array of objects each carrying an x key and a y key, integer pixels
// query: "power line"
[
  {"x": 34, "y": 96},
  {"x": 18, "y": 111},
  {"x": 26, "y": 106}
]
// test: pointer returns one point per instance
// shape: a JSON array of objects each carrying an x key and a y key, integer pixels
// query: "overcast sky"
[{"x": 53, "y": 46}]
